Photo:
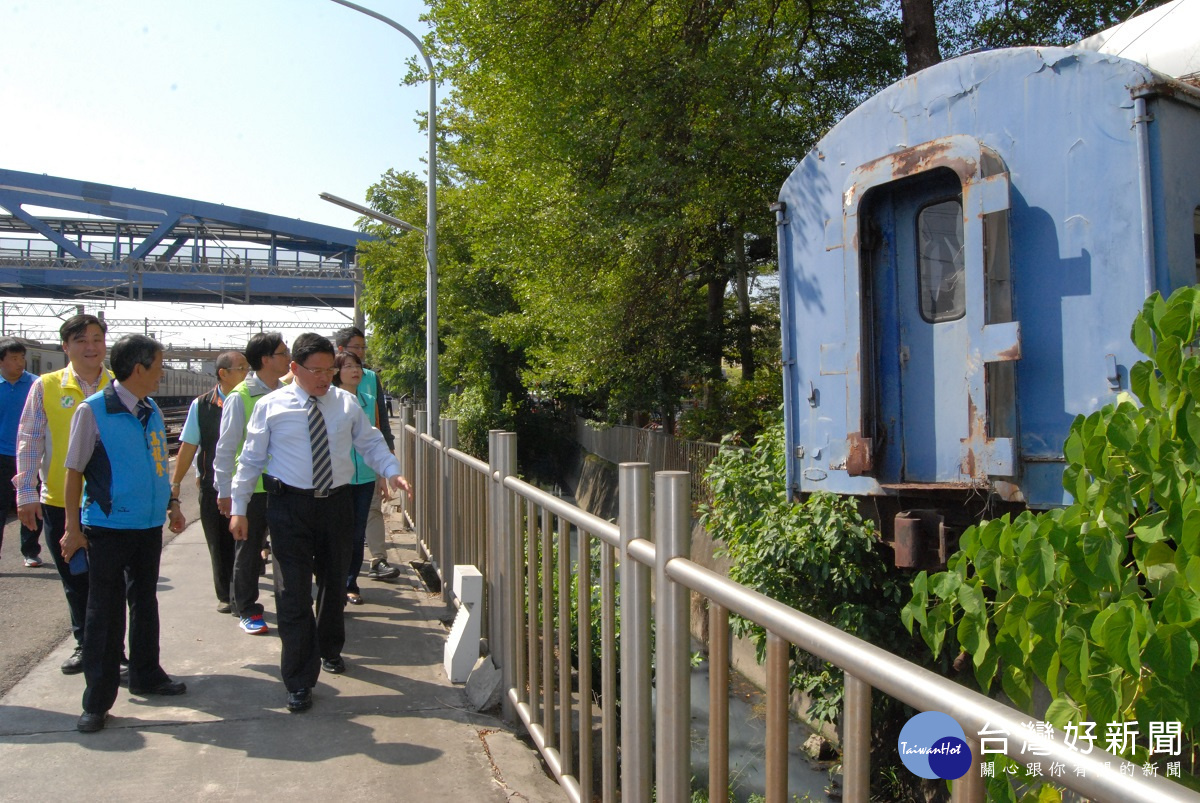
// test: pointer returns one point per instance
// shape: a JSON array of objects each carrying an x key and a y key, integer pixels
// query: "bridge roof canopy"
[{"x": 139, "y": 241}]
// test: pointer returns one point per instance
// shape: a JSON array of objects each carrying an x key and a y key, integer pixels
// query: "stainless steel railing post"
[
  {"x": 672, "y": 534},
  {"x": 511, "y": 605},
  {"x": 447, "y": 554},
  {"x": 636, "y": 722},
  {"x": 493, "y": 604},
  {"x": 422, "y": 493},
  {"x": 718, "y": 703},
  {"x": 856, "y": 738},
  {"x": 778, "y": 686}
]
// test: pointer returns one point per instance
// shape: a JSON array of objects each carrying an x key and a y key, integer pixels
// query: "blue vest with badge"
[{"x": 126, "y": 483}]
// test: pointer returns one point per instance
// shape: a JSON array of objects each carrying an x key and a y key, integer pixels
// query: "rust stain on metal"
[
  {"x": 1013, "y": 352},
  {"x": 920, "y": 158},
  {"x": 977, "y": 429},
  {"x": 1008, "y": 491},
  {"x": 859, "y": 454}
]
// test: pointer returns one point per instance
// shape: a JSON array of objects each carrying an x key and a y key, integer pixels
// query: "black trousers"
[
  {"x": 75, "y": 586},
  {"x": 123, "y": 565},
  {"x": 247, "y": 559},
  {"x": 309, "y": 537},
  {"x": 220, "y": 544},
  {"x": 30, "y": 547}
]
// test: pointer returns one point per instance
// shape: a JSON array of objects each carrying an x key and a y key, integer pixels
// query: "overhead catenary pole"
[{"x": 431, "y": 338}]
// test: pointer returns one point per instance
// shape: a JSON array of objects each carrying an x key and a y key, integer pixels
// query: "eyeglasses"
[
  {"x": 284, "y": 353},
  {"x": 325, "y": 372}
]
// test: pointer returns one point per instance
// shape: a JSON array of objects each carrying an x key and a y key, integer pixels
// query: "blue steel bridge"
[{"x": 147, "y": 246}]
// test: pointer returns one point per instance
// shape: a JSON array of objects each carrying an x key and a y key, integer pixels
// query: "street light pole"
[{"x": 431, "y": 337}]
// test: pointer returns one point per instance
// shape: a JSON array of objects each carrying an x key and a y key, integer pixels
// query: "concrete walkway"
[{"x": 391, "y": 728}]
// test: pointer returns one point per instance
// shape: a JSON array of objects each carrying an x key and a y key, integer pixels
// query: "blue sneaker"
[{"x": 254, "y": 625}]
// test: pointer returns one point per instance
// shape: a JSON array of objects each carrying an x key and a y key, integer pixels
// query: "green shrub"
[
  {"x": 819, "y": 556},
  {"x": 1100, "y": 602}
]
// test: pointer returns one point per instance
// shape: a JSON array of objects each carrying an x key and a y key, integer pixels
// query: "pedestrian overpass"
[{"x": 145, "y": 246}]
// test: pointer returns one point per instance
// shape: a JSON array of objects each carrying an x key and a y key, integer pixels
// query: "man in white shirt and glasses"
[{"x": 299, "y": 439}]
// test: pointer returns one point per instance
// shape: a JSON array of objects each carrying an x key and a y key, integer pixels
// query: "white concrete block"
[
  {"x": 468, "y": 585},
  {"x": 462, "y": 646}
]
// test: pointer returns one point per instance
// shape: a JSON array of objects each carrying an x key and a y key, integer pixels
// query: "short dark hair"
[
  {"x": 261, "y": 346},
  {"x": 308, "y": 344},
  {"x": 131, "y": 351},
  {"x": 339, "y": 362},
  {"x": 10, "y": 345},
  {"x": 78, "y": 324},
  {"x": 343, "y": 336},
  {"x": 225, "y": 360}
]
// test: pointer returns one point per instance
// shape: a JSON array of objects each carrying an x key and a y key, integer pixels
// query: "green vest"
[{"x": 248, "y": 403}]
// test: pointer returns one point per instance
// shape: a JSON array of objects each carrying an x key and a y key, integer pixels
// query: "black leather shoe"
[
  {"x": 299, "y": 700},
  {"x": 168, "y": 688},
  {"x": 334, "y": 666},
  {"x": 90, "y": 723},
  {"x": 74, "y": 664}
]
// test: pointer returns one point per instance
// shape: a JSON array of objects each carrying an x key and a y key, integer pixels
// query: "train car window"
[
  {"x": 941, "y": 273},
  {"x": 35, "y": 365},
  {"x": 1196, "y": 240}
]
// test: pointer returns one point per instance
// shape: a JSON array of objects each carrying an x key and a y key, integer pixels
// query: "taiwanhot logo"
[{"x": 932, "y": 745}]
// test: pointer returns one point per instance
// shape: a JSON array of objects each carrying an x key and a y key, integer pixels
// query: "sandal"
[{"x": 354, "y": 599}]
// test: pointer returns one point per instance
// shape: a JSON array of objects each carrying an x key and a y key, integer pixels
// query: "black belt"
[{"x": 277, "y": 486}]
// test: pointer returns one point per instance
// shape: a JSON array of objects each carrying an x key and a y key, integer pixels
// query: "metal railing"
[
  {"x": 214, "y": 258},
  {"x": 540, "y": 552}
]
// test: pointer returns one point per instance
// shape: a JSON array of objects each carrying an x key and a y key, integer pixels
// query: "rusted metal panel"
[
  {"x": 1045, "y": 118},
  {"x": 859, "y": 455}
]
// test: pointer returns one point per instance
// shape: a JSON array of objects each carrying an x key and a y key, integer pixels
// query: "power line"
[{"x": 264, "y": 326}]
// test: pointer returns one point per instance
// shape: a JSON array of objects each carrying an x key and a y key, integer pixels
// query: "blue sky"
[{"x": 260, "y": 104}]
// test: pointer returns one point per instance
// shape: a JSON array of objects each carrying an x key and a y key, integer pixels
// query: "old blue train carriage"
[{"x": 961, "y": 258}]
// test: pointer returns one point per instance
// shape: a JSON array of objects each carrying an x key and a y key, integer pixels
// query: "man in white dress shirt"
[{"x": 299, "y": 438}]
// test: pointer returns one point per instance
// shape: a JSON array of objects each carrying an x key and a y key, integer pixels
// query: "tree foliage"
[{"x": 605, "y": 173}]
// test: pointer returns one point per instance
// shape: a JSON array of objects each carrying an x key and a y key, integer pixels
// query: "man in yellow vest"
[{"x": 42, "y": 448}]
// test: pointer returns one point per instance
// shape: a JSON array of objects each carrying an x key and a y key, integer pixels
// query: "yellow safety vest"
[{"x": 61, "y": 395}]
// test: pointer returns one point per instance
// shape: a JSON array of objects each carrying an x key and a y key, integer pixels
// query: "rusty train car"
[{"x": 961, "y": 259}]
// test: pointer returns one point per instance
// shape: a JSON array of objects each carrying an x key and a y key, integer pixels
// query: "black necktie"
[
  {"x": 322, "y": 465},
  {"x": 144, "y": 411}
]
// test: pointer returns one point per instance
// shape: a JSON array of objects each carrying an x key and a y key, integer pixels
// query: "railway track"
[{"x": 173, "y": 418}]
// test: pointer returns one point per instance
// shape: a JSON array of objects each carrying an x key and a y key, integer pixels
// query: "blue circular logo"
[{"x": 932, "y": 745}]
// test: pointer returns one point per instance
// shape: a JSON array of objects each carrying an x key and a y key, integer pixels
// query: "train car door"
[
  {"x": 928, "y": 290},
  {"x": 920, "y": 299}
]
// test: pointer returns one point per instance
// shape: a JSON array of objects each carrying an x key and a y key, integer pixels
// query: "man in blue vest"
[
  {"x": 117, "y": 498},
  {"x": 14, "y": 390}
]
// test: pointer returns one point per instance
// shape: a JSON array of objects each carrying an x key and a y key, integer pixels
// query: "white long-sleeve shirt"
[
  {"x": 232, "y": 432},
  {"x": 277, "y": 442}
]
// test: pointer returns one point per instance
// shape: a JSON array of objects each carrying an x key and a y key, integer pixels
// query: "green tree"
[
  {"x": 624, "y": 156},
  {"x": 606, "y": 169}
]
